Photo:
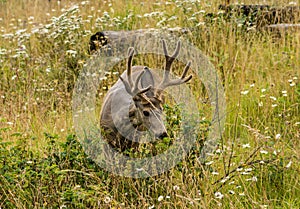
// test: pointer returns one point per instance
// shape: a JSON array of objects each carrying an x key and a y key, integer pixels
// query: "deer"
[{"x": 134, "y": 104}]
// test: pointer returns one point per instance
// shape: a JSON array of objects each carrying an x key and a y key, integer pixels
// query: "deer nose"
[{"x": 162, "y": 135}]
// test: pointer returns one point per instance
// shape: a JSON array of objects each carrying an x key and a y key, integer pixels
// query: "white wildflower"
[
  {"x": 107, "y": 199},
  {"x": 192, "y": 19},
  {"x": 263, "y": 152},
  {"x": 73, "y": 53},
  {"x": 231, "y": 192},
  {"x": 200, "y": 23},
  {"x": 254, "y": 178},
  {"x": 175, "y": 187},
  {"x": 160, "y": 198},
  {"x": 209, "y": 163},
  {"x": 223, "y": 180},
  {"x": 245, "y": 173},
  {"x": 219, "y": 195},
  {"x": 246, "y": 145},
  {"x": 172, "y": 18},
  {"x": 289, "y": 164},
  {"x": 244, "y": 92}
]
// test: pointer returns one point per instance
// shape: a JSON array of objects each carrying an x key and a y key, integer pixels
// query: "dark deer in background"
[{"x": 134, "y": 103}]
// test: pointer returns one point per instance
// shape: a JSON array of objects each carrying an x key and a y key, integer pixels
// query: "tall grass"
[{"x": 42, "y": 50}]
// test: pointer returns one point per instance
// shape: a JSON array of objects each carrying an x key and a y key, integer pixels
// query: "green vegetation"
[{"x": 42, "y": 164}]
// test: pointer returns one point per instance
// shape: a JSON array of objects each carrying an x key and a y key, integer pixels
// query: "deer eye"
[{"x": 146, "y": 113}]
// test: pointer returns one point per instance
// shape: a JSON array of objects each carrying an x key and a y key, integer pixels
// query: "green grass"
[{"x": 42, "y": 164}]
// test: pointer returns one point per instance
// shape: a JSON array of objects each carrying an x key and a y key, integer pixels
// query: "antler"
[
  {"x": 166, "y": 82},
  {"x": 131, "y": 88}
]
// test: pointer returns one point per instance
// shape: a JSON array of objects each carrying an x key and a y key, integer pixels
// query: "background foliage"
[{"x": 43, "y": 47}]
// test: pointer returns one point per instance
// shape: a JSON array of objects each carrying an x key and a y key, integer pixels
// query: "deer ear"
[{"x": 147, "y": 78}]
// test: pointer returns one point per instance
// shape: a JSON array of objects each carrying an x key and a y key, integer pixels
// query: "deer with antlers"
[{"x": 135, "y": 102}]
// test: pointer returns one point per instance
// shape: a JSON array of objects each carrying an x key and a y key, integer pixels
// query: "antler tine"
[
  {"x": 169, "y": 60},
  {"x": 131, "y": 88},
  {"x": 176, "y": 52},
  {"x": 183, "y": 78},
  {"x": 166, "y": 72},
  {"x": 127, "y": 85},
  {"x": 129, "y": 65},
  {"x": 186, "y": 69},
  {"x": 135, "y": 90},
  {"x": 165, "y": 48}
]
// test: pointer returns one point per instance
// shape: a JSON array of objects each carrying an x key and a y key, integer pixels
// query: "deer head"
[{"x": 146, "y": 109}]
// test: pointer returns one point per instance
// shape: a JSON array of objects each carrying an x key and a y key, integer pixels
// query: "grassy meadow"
[{"x": 43, "y": 48}]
